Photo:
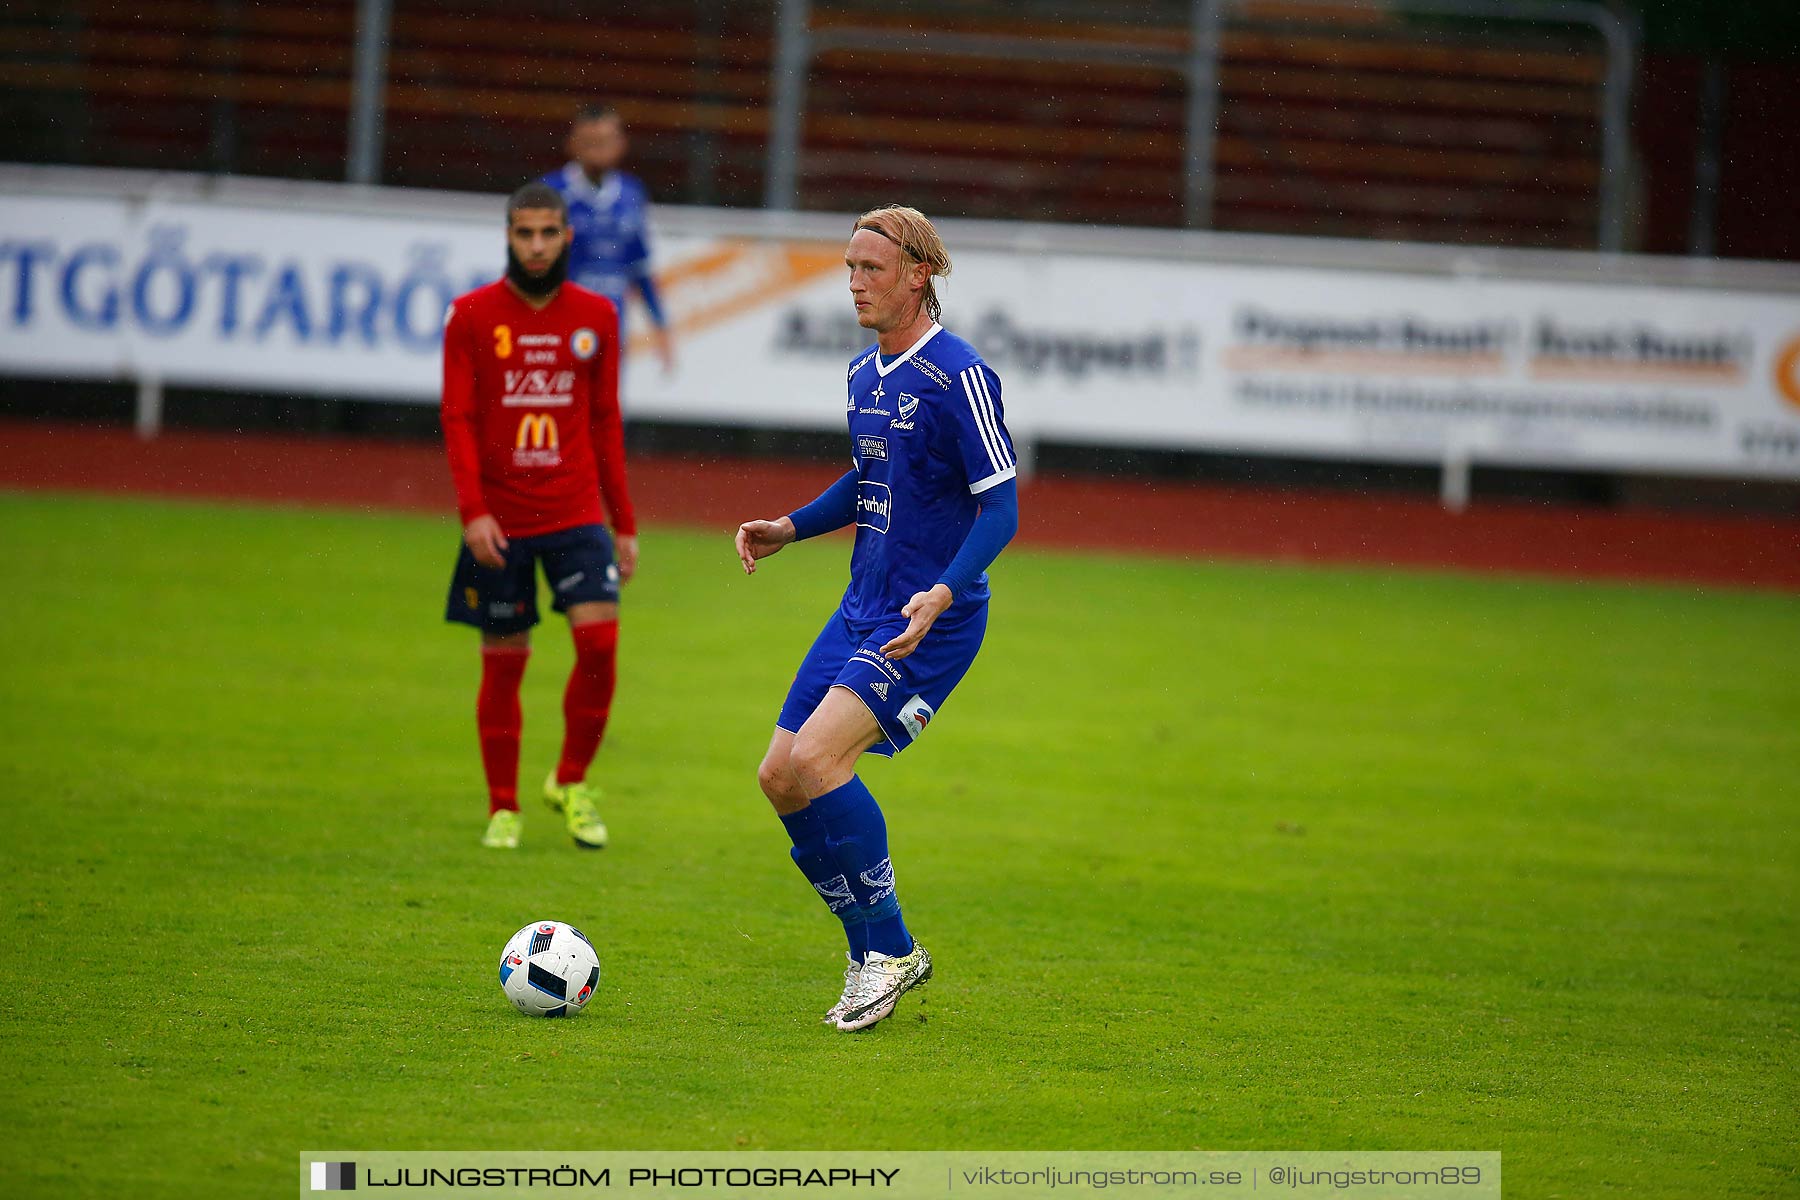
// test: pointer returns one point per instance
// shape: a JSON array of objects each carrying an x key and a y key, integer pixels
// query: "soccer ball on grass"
[{"x": 549, "y": 969}]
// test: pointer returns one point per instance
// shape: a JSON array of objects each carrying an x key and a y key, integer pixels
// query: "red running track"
[{"x": 1175, "y": 519}]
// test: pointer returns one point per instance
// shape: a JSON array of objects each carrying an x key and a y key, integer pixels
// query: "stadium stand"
[
  {"x": 1370, "y": 127},
  {"x": 476, "y": 95},
  {"x": 1367, "y": 127}
]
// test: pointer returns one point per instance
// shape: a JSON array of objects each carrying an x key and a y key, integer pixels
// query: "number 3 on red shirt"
[{"x": 502, "y": 341}]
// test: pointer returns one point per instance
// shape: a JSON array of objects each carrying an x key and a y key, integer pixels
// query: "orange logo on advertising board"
[
  {"x": 537, "y": 431},
  {"x": 737, "y": 276},
  {"x": 1787, "y": 371}
]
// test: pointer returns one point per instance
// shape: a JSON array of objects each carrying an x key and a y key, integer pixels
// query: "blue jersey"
[
  {"x": 928, "y": 436},
  {"x": 611, "y": 220}
]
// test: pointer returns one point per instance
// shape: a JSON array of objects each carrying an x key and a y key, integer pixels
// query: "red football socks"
[
  {"x": 498, "y": 717},
  {"x": 588, "y": 700}
]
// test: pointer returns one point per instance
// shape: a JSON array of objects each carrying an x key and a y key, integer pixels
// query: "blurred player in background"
[
  {"x": 610, "y": 213},
  {"x": 933, "y": 499},
  {"x": 531, "y": 423}
]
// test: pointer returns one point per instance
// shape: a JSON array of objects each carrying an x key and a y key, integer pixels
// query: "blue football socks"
[
  {"x": 856, "y": 836},
  {"x": 814, "y": 858}
]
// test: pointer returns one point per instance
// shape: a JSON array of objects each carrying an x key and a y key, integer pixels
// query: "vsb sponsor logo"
[
  {"x": 538, "y": 442},
  {"x": 538, "y": 388}
]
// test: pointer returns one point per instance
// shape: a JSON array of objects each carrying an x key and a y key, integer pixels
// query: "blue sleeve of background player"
[
  {"x": 834, "y": 509},
  {"x": 994, "y": 526},
  {"x": 646, "y": 287},
  {"x": 636, "y": 254}
]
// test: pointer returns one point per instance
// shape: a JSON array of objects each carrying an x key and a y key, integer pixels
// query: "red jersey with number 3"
[{"x": 531, "y": 410}]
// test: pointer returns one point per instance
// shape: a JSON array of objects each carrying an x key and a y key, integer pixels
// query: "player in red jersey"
[{"x": 531, "y": 421}]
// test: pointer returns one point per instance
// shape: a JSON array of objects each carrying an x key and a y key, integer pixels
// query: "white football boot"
[
  {"x": 880, "y": 984},
  {"x": 843, "y": 1004}
]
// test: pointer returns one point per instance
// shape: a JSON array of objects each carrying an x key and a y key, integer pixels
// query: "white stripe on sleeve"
[
  {"x": 993, "y": 419},
  {"x": 998, "y": 477},
  {"x": 980, "y": 425}
]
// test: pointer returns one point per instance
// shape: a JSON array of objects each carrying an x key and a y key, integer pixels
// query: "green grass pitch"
[{"x": 1209, "y": 856}]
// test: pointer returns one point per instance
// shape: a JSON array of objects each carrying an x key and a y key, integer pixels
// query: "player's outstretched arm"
[
  {"x": 834, "y": 509},
  {"x": 759, "y": 539}
]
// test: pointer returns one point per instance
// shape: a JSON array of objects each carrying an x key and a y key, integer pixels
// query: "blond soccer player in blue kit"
[{"x": 933, "y": 498}]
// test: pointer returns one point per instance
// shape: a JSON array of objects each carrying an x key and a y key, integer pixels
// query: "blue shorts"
[
  {"x": 904, "y": 696},
  {"x": 578, "y": 563}
]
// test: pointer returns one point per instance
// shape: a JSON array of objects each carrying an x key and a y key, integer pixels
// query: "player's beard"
[{"x": 537, "y": 286}]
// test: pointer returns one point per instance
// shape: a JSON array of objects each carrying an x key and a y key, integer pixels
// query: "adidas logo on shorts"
[{"x": 881, "y": 688}]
